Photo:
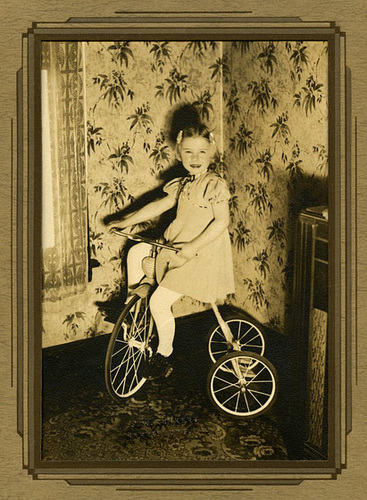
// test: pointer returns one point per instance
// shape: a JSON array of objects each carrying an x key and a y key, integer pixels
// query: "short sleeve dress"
[{"x": 209, "y": 275}]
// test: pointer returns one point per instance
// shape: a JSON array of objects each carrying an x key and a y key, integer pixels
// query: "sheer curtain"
[{"x": 64, "y": 228}]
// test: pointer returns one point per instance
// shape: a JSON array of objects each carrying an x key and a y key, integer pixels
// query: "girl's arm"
[
  {"x": 147, "y": 212},
  {"x": 216, "y": 227}
]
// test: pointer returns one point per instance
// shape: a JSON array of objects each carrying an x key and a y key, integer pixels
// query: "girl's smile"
[{"x": 196, "y": 154}]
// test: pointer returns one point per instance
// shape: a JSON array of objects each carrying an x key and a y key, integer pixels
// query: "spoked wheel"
[
  {"x": 129, "y": 350},
  {"x": 242, "y": 384},
  {"x": 247, "y": 337}
]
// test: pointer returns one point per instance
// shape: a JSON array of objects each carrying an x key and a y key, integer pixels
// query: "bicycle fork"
[
  {"x": 224, "y": 326},
  {"x": 229, "y": 338}
]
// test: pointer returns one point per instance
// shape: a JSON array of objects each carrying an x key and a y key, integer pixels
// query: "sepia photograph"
[{"x": 184, "y": 241}]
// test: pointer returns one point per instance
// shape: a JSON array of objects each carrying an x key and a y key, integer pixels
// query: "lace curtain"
[{"x": 64, "y": 228}]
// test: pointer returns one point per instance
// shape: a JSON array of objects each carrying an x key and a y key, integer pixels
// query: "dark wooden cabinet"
[{"x": 310, "y": 308}]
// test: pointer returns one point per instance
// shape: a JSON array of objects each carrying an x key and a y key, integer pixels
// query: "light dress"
[{"x": 208, "y": 276}]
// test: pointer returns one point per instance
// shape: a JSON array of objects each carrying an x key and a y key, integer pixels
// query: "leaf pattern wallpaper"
[
  {"x": 267, "y": 105},
  {"x": 276, "y": 135}
]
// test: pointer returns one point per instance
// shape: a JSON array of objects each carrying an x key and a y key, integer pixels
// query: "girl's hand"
[
  {"x": 119, "y": 224},
  {"x": 187, "y": 251},
  {"x": 176, "y": 261}
]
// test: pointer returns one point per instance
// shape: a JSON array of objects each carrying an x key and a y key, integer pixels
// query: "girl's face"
[{"x": 196, "y": 154}]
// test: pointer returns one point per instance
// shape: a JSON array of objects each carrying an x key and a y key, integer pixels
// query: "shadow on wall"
[
  {"x": 305, "y": 192},
  {"x": 308, "y": 191},
  {"x": 179, "y": 117}
]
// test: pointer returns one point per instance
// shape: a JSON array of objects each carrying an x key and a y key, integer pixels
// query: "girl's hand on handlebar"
[
  {"x": 186, "y": 252},
  {"x": 118, "y": 225}
]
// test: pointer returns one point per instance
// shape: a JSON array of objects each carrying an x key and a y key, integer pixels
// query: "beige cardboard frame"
[{"x": 201, "y": 479}]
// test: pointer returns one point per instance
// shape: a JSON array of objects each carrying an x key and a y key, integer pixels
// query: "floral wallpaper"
[
  {"x": 267, "y": 105},
  {"x": 276, "y": 135}
]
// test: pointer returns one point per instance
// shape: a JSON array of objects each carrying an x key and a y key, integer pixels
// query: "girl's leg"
[
  {"x": 134, "y": 259},
  {"x": 161, "y": 308}
]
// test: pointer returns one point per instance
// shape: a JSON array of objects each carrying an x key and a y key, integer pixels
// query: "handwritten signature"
[{"x": 147, "y": 429}]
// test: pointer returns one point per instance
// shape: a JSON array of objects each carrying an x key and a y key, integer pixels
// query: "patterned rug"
[{"x": 170, "y": 419}]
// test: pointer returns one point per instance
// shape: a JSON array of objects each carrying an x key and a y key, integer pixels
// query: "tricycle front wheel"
[
  {"x": 129, "y": 349},
  {"x": 247, "y": 336},
  {"x": 242, "y": 384}
]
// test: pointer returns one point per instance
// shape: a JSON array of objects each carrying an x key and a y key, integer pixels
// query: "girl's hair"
[{"x": 198, "y": 130}]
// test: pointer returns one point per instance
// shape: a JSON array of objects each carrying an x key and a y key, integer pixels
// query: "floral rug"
[{"x": 170, "y": 419}]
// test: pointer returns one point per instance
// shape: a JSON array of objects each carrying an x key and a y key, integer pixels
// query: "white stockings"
[
  {"x": 160, "y": 302},
  {"x": 161, "y": 308}
]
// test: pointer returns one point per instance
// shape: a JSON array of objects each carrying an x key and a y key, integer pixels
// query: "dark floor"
[{"x": 169, "y": 419}]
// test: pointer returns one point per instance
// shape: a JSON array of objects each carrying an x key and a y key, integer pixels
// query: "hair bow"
[
  {"x": 179, "y": 137},
  {"x": 211, "y": 138}
]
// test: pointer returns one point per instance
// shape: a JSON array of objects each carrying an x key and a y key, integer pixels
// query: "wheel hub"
[
  {"x": 135, "y": 343},
  {"x": 236, "y": 345}
]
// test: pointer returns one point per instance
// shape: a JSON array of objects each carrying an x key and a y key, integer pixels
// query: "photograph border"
[{"x": 29, "y": 422}]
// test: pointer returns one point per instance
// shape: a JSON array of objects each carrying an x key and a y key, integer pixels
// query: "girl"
[{"x": 202, "y": 268}]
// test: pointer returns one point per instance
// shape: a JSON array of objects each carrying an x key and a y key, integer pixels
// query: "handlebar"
[{"x": 136, "y": 237}]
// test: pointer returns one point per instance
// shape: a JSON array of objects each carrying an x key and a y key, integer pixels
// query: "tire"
[
  {"x": 242, "y": 384},
  {"x": 129, "y": 349},
  {"x": 246, "y": 333}
]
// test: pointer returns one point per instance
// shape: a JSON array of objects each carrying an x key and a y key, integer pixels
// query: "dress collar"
[{"x": 193, "y": 177}]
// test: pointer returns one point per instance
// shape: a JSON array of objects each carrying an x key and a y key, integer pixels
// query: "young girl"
[{"x": 202, "y": 268}]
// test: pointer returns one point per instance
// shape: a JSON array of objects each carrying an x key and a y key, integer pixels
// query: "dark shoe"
[
  {"x": 112, "y": 316},
  {"x": 157, "y": 367},
  {"x": 111, "y": 308}
]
